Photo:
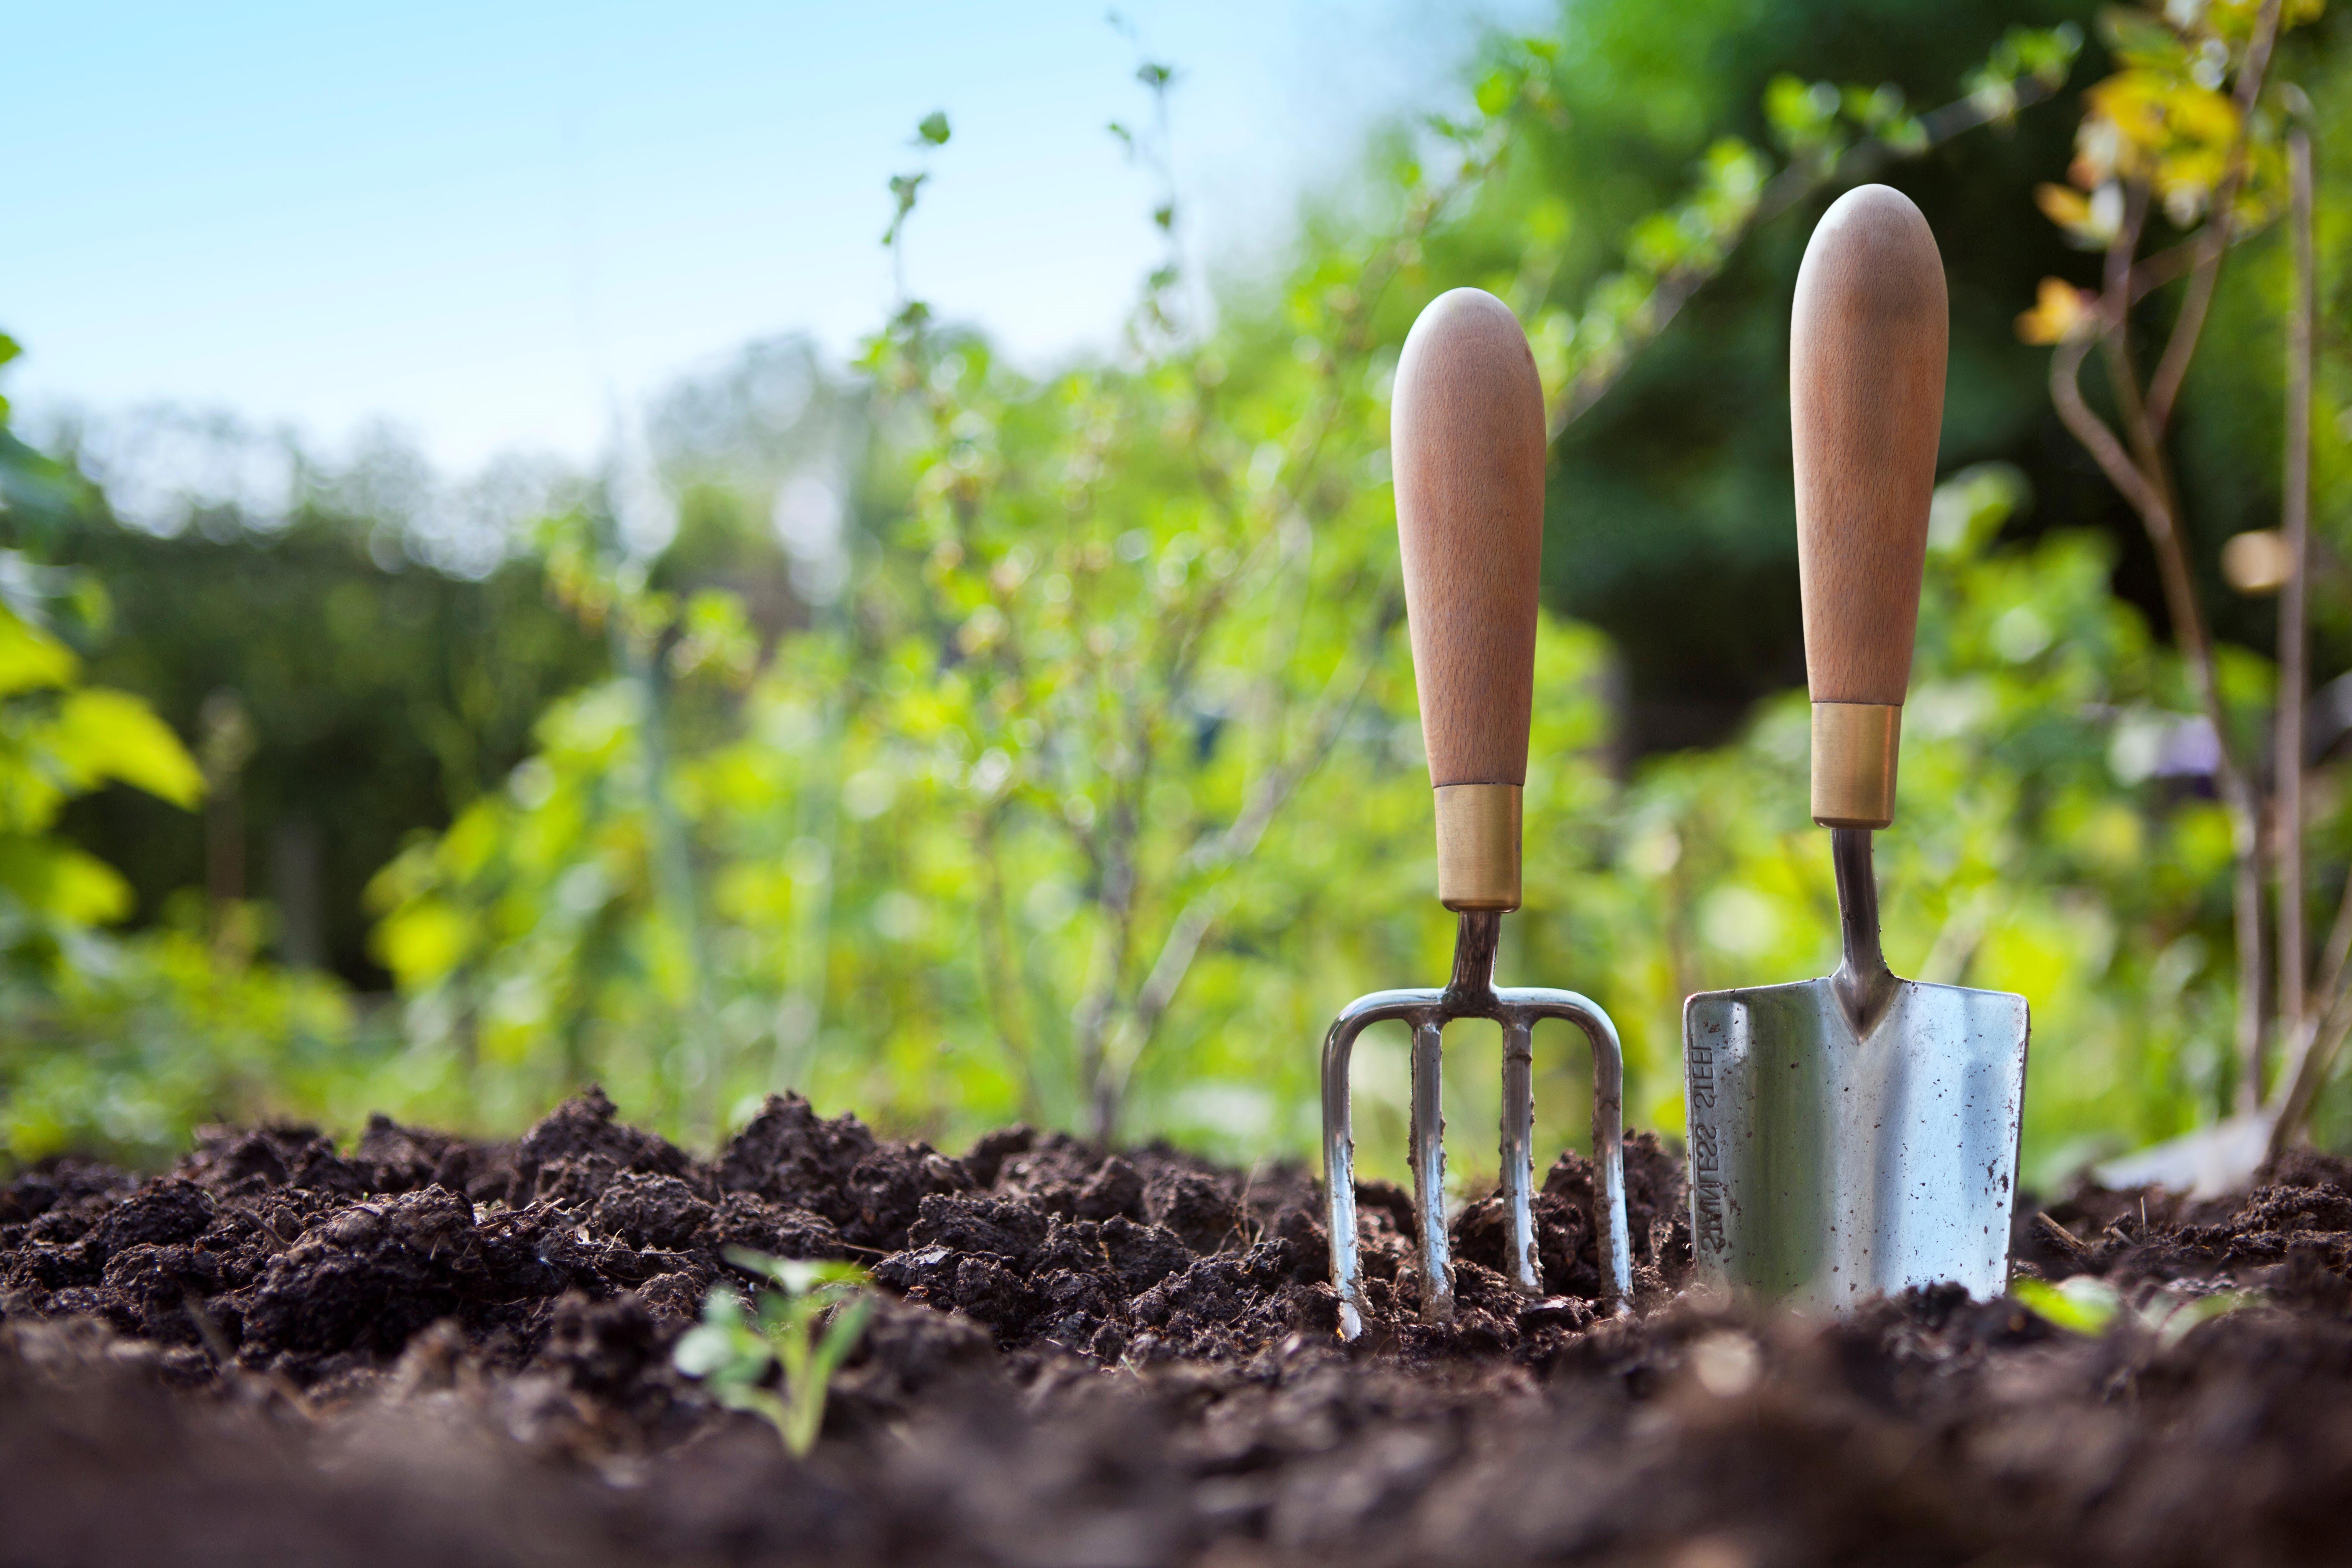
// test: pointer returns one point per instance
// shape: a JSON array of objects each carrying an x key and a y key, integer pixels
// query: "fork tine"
[
  {"x": 1338, "y": 1139},
  {"x": 1518, "y": 1150},
  {"x": 1429, "y": 1171}
]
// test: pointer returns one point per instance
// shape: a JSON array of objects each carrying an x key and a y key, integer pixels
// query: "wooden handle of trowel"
[
  {"x": 1467, "y": 444},
  {"x": 1867, "y": 347}
]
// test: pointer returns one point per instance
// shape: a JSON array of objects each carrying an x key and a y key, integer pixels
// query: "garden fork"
[{"x": 1466, "y": 443}]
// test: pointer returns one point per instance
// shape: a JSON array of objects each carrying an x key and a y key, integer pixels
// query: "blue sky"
[{"x": 470, "y": 220}]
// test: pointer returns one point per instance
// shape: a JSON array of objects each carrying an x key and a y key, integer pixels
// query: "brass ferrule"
[
  {"x": 1478, "y": 845},
  {"x": 1853, "y": 762}
]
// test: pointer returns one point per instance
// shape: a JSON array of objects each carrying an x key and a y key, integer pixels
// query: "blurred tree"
[{"x": 378, "y": 696}]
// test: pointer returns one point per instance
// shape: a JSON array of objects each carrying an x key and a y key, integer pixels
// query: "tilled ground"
[{"x": 434, "y": 1353}]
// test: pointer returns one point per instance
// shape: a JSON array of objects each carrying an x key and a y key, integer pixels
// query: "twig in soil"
[
  {"x": 216, "y": 1342},
  {"x": 225, "y": 1356},
  {"x": 2060, "y": 1235}
]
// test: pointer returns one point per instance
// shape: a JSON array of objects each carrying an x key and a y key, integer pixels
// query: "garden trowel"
[
  {"x": 1856, "y": 1136},
  {"x": 1467, "y": 444}
]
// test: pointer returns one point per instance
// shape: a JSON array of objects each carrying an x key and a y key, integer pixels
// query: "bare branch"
[{"x": 2086, "y": 427}]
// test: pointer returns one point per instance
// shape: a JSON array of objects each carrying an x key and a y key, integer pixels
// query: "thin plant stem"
[
  {"x": 2300, "y": 1075},
  {"x": 2293, "y": 629}
]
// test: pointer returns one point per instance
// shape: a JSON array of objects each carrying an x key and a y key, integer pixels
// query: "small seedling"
[
  {"x": 731, "y": 1352},
  {"x": 2088, "y": 1306}
]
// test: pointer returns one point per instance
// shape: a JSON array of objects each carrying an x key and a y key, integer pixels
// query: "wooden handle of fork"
[
  {"x": 1866, "y": 350},
  {"x": 1466, "y": 443}
]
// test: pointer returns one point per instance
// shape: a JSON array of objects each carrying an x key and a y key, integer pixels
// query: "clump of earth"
[{"x": 428, "y": 1348}]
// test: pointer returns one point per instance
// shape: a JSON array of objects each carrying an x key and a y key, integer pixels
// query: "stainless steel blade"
[{"x": 1829, "y": 1166}]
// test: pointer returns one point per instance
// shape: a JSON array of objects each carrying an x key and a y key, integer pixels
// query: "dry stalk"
[{"x": 2145, "y": 480}]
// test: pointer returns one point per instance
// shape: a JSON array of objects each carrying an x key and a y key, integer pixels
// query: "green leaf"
[
  {"x": 724, "y": 1349},
  {"x": 1786, "y": 105},
  {"x": 2140, "y": 39},
  {"x": 1906, "y": 134},
  {"x": 841, "y": 1336},
  {"x": 422, "y": 941},
  {"x": 903, "y": 190},
  {"x": 1496, "y": 90},
  {"x": 2082, "y": 1305},
  {"x": 2173, "y": 1326},
  {"x": 61, "y": 882},
  {"x": 934, "y": 128},
  {"x": 797, "y": 1276},
  {"x": 703, "y": 1349},
  {"x": 2047, "y": 54},
  {"x": 1873, "y": 108},
  {"x": 30, "y": 659},
  {"x": 113, "y": 735}
]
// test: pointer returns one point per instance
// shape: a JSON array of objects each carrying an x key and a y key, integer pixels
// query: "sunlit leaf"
[
  {"x": 62, "y": 882},
  {"x": 2080, "y": 1305},
  {"x": 112, "y": 736},
  {"x": 30, "y": 658},
  {"x": 1496, "y": 90}
]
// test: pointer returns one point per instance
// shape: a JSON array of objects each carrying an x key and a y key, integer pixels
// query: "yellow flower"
[
  {"x": 2067, "y": 209},
  {"x": 2060, "y": 312}
]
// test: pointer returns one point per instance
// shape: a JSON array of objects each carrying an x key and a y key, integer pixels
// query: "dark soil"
[{"x": 434, "y": 1354}]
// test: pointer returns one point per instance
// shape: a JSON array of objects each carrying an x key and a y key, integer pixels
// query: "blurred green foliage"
[
  {"x": 379, "y": 696},
  {"x": 1076, "y": 777}
]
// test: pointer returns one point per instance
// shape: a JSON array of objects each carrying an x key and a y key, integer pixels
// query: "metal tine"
[
  {"x": 1427, "y": 1140},
  {"x": 1519, "y": 1151},
  {"x": 1471, "y": 993}
]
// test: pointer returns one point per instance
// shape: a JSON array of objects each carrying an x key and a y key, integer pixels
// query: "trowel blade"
[{"x": 1828, "y": 1168}]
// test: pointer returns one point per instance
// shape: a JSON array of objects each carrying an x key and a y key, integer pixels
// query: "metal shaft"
[
  {"x": 1863, "y": 982},
  {"x": 1477, "y": 936}
]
